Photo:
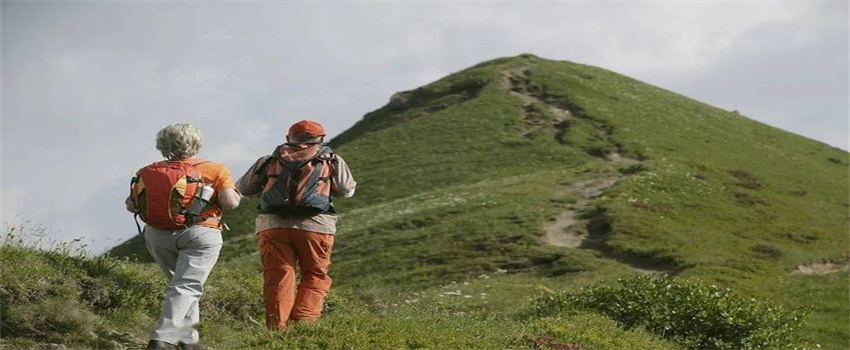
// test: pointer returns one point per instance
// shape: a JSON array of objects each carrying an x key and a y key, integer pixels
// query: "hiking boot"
[
  {"x": 184, "y": 346},
  {"x": 161, "y": 345}
]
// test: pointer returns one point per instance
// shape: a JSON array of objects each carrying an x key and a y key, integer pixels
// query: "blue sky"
[{"x": 86, "y": 85}]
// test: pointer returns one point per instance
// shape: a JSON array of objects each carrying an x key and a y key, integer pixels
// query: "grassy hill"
[{"x": 488, "y": 199}]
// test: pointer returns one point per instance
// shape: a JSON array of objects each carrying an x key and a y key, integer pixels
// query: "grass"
[
  {"x": 442, "y": 247},
  {"x": 109, "y": 303},
  {"x": 55, "y": 294}
]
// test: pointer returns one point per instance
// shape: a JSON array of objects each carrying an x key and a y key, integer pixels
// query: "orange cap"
[{"x": 307, "y": 126}]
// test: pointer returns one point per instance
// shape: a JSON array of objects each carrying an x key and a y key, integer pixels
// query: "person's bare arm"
[{"x": 228, "y": 199}]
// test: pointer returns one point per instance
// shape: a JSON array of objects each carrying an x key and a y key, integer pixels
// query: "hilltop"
[{"x": 521, "y": 177}]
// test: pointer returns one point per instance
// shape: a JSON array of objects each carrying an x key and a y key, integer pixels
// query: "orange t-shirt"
[{"x": 219, "y": 176}]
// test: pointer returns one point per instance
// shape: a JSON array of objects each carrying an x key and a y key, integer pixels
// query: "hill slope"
[{"x": 522, "y": 175}]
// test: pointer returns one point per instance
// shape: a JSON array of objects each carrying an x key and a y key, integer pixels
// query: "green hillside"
[{"x": 489, "y": 199}]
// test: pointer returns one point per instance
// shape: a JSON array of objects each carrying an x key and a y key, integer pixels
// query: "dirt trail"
[
  {"x": 821, "y": 268},
  {"x": 569, "y": 229},
  {"x": 516, "y": 82},
  {"x": 618, "y": 158}
]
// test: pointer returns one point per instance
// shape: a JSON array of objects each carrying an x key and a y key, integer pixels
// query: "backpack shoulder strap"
[{"x": 326, "y": 153}]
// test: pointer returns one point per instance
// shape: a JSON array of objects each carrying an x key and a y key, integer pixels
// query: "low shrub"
[{"x": 693, "y": 314}]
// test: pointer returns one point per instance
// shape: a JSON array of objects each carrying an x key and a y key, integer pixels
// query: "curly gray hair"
[{"x": 179, "y": 141}]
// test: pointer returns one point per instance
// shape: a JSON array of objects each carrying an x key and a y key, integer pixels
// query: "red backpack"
[{"x": 164, "y": 192}]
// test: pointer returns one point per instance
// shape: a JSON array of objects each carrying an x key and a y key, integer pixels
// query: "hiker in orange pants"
[
  {"x": 280, "y": 249},
  {"x": 297, "y": 221}
]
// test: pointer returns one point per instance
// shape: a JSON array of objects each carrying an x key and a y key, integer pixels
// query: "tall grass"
[{"x": 52, "y": 292}]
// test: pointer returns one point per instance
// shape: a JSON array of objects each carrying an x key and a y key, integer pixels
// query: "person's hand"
[{"x": 130, "y": 204}]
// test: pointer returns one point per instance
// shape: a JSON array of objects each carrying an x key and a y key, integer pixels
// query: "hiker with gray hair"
[{"x": 181, "y": 200}]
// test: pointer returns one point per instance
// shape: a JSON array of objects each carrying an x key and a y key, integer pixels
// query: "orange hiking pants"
[{"x": 280, "y": 249}]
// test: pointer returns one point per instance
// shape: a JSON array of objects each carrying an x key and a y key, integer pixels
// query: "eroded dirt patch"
[
  {"x": 516, "y": 81},
  {"x": 569, "y": 229},
  {"x": 572, "y": 227},
  {"x": 822, "y": 268},
  {"x": 565, "y": 231},
  {"x": 616, "y": 157}
]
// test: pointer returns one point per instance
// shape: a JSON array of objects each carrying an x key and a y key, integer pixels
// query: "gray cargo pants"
[{"x": 186, "y": 256}]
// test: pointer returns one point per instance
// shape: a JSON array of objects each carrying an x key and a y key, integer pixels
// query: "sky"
[{"x": 86, "y": 85}]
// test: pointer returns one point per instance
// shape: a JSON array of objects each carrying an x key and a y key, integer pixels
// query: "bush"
[{"x": 695, "y": 315}]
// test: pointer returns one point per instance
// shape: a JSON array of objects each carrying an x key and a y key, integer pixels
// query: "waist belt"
[{"x": 218, "y": 222}]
